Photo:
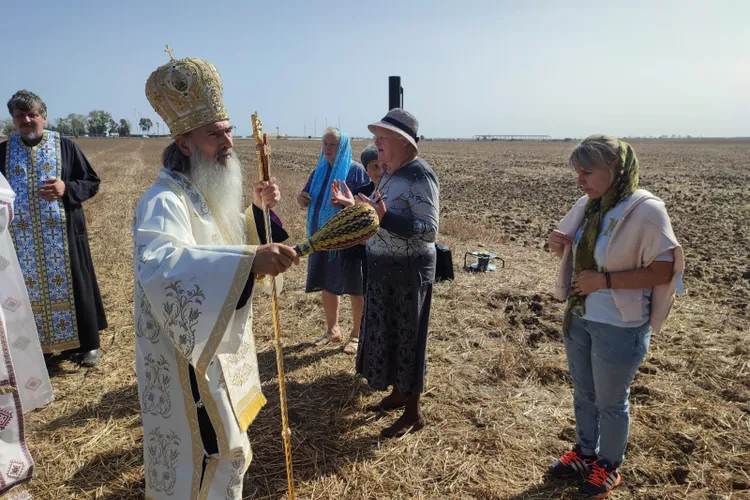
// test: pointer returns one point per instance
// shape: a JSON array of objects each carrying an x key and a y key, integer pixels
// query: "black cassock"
[{"x": 81, "y": 183}]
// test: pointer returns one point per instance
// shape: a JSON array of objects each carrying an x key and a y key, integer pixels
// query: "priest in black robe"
[{"x": 70, "y": 182}]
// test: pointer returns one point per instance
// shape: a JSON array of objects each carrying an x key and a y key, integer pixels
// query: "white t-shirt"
[{"x": 600, "y": 306}]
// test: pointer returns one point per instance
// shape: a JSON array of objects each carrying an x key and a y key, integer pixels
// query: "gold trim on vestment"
[
  {"x": 54, "y": 306},
  {"x": 249, "y": 407},
  {"x": 209, "y": 352},
  {"x": 191, "y": 410},
  {"x": 209, "y": 403},
  {"x": 227, "y": 310},
  {"x": 251, "y": 404},
  {"x": 250, "y": 227},
  {"x": 208, "y": 477},
  {"x": 66, "y": 242},
  {"x": 64, "y": 346}
]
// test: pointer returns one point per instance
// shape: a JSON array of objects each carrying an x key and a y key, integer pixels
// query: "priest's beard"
[
  {"x": 30, "y": 136},
  {"x": 221, "y": 187}
]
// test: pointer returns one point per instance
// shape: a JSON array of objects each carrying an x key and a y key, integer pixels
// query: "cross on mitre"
[{"x": 169, "y": 51}]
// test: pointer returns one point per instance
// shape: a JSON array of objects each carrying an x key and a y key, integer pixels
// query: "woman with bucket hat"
[{"x": 401, "y": 270}]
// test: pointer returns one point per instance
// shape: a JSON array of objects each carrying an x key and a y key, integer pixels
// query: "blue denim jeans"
[{"x": 602, "y": 360}]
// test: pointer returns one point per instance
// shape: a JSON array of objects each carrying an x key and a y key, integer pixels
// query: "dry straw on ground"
[{"x": 498, "y": 403}]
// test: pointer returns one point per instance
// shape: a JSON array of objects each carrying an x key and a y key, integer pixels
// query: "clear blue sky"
[{"x": 566, "y": 69}]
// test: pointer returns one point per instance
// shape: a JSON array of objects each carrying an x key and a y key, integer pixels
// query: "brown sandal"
[
  {"x": 351, "y": 346},
  {"x": 326, "y": 339}
]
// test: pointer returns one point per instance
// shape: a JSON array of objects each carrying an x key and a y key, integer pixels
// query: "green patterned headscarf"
[{"x": 625, "y": 183}]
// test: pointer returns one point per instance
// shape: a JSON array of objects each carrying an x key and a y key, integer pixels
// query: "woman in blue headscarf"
[{"x": 333, "y": 273}]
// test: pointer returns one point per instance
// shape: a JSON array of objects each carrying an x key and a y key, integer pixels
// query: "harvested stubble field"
[{"x": 498, "y": 404}]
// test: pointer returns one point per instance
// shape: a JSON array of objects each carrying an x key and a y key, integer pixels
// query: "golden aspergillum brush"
[{"x": 348, "y": 227}]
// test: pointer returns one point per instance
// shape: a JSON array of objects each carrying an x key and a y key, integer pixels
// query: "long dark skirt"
[
  {"x": 338, "y": 272},
  {"x": 393, "y": 344}
]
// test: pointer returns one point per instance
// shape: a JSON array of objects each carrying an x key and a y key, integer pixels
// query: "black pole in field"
[{"x": 395, "y": 93}]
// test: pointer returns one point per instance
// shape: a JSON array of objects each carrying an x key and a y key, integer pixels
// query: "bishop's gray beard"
[{"x": 221, "y": 187}]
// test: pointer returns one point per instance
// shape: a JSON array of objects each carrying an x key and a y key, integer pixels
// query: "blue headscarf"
[{"x": 341, "y": 166}]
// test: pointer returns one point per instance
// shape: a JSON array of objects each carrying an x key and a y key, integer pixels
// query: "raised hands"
[{"x": 341, "y": 195}]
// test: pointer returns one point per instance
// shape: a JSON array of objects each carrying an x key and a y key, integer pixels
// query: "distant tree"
[
  {"x": 145, "y": 124},
  {"x": 7, "y": 127},
  {"x": 77, "y": 123},
  {"x": 63, "y": 126},
  {"x": 113, "y": 127},
  {"x": 98, "y": 121},
  {"x": 124, "y": 128}
]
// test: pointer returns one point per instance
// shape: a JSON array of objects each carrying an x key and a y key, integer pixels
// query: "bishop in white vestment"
[{"x": 196, "y": 261}]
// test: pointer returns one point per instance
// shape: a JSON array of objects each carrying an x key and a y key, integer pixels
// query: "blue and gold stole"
[{"x": 41, "y": 240}]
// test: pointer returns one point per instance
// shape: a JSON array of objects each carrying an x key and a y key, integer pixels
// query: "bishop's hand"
[
  {"x": 273, "y": 259},
  {"x": 266, "y": 192}
]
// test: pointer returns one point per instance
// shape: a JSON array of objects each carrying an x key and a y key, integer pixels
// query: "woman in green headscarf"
[{"x": 621, "y": 266}]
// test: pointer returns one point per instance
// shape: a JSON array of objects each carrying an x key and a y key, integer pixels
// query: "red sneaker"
[
  {"x": 572, "y": 463},
  {"x": 601, "y": 481}
]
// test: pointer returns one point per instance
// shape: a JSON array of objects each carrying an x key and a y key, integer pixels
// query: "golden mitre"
[{"x": 187, "y": 94}]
